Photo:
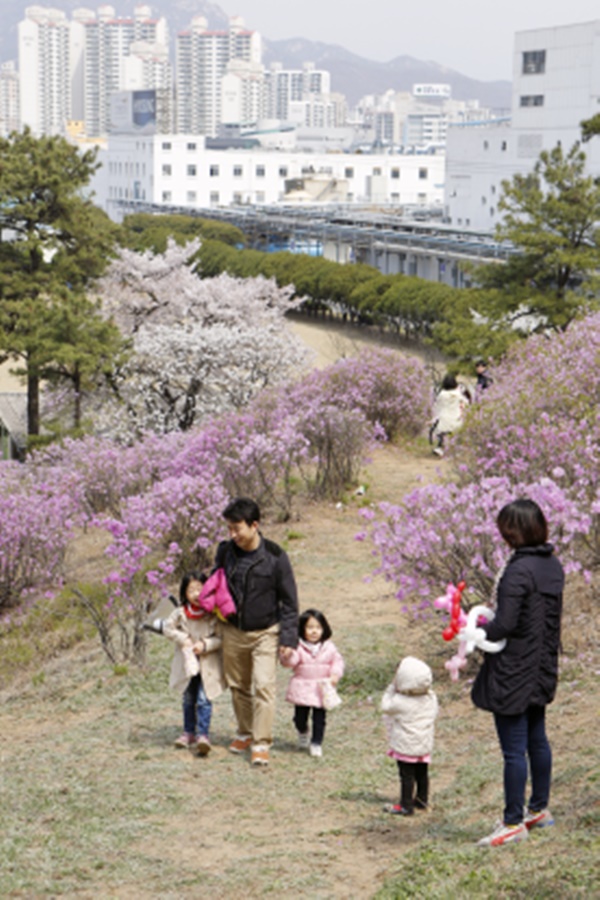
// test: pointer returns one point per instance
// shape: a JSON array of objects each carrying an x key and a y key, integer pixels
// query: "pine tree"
[{"x": 52, "y": 242}]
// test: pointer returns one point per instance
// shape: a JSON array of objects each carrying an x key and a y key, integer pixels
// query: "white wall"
[
  {"x": 177, "y": 170},
  {"x": 478, "y": 158}
]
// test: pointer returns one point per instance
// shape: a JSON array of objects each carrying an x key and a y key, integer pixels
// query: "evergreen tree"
[
  {"x": 551, "y": 218},
  {"x": 52, "y": 242}
]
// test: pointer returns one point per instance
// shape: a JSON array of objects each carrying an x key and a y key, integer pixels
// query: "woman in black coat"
[{"x": 517, "y": 683}]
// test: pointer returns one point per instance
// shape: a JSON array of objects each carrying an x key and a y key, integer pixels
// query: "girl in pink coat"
[{"x": 316, "y": 659}]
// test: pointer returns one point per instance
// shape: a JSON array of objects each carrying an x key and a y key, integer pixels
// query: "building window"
[
  {"x": 534, "y": 62},
  {"x": 260, "y": 171},
  {"x": 214, "y": 197},
  {"x": 348, "y": 173},
  {"x": 191, "y": 170},
  {"x": 377, "y": 171},
  {"x": 166, "y": 145},
  {"x": 191, "y": 146},
  {"x": 422, "y": 173},
  {"x": 395, "y": 198},
  {"x": 166, "y": 196},
  {"x": 283, "y": 171},
  {"x": 504, "y": 145},
  {"x": 166, "y": 169},
  {"x": 214, "y": 171},
  {"x": 260, "y": 196},
  {"x": 191, "y": 196},
  {"x": 395, "y": 173},
  {"x": 532, "y": 100},
  {"x": 237, "y": 199},
  {"x": 486, "y": 145},
  {"x": 237, "y": 171}
]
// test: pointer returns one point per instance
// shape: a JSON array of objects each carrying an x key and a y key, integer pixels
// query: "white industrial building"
[
  {"x": 181, "y": 171},
  {"x": 556, "y": 85}
]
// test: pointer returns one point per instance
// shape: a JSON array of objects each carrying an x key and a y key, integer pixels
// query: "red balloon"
[{"x": 448, "y": 633}]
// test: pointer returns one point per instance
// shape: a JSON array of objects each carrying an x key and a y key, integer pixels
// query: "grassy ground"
[{"x": 95, "y": 802}]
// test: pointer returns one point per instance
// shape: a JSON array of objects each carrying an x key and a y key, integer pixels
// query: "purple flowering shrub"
[
  {"x": 444, "y": 533},
  {"x": 393, "y": 392},
  {"x": 39, "y": 513},
  {"x": 535, "y": 432}
]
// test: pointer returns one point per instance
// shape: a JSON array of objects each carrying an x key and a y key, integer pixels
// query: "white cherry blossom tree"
[{"x": 199, "y": 347}]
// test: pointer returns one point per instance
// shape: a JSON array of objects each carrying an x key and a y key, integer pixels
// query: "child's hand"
[
  {"x": 285, "y": 653},
  {"x": 199, "y": 648},
  {"x": 334, "y": 680}
]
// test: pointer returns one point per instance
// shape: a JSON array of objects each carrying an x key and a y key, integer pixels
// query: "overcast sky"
[{"x": 473, "y": 36}]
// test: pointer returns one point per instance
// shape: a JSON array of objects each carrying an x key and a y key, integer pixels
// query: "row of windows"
[
  {"x": 214, "y": 171},
  {"x": 260, "y": 171}
]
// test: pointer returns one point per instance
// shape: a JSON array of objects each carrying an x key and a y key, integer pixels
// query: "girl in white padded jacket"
[{"x": 409, "y": 708}]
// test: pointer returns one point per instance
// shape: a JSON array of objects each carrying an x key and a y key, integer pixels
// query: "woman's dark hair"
[
  {"x": 449, "y": 383},
  {"x": 242, "y": 509},
  {"x": 314, "y": 614},
  {"x": 522, "y": 524},
  {"x": 189, "y": 576}
]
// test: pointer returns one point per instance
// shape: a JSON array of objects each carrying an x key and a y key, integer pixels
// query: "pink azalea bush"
[
  {"x": 393, "y": 392},
  {"x": 535, "y": 432},
  {"x": 40, "y": 509}
]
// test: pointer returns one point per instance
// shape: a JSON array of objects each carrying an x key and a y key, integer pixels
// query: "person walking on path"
[
  {"x": 448, "y": 412},
  {"x": 264, "y": 627},
  {"x": 197, "y": 668},
  {"x": 315, "y": 662}
]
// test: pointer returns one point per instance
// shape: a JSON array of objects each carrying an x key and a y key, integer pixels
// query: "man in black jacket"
[{"x": 261, "y": 581}]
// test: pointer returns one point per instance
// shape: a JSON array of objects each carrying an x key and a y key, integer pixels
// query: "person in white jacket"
[
  {"x": 448, "y": 412},
  {"x": 409, "y": 706}
]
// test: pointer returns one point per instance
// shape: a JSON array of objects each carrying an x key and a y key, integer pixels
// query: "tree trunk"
[
  {"x": 77, "y": 404},
  {"x": 33, "y": 403}
]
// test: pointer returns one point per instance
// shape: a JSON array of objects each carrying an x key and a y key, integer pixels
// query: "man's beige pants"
[{"x": 250, "y": 666}]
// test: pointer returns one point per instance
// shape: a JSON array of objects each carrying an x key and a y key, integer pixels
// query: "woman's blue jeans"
[
  {"x": 197, "y": 708},
  {"x": 523, "y": 737}
]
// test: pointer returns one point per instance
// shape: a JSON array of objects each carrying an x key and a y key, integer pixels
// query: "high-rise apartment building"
[
  {"x": 201, "y": 62},
  {"x": 107, "y": 46},
  {"x": 9, "y": 99},
  {"x": 242, "y": 94},
  {"x": 44, "y": 70},
  {"x": 286, "y": 86},
  {"x": 69, "y": 69}
]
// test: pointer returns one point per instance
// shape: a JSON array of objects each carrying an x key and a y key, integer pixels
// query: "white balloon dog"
[{"x": 469, "y": 634}]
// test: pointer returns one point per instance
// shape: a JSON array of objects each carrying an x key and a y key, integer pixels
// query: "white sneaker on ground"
[
  {"x": 504, "y": 834},
  {"x": 538, "y": 819},
  {"x": 315, "y": 750},
  {"x": 303, "y": 740}
]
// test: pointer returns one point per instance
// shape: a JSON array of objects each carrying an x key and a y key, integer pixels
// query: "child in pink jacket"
[{"x": 316, "y": 659}]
